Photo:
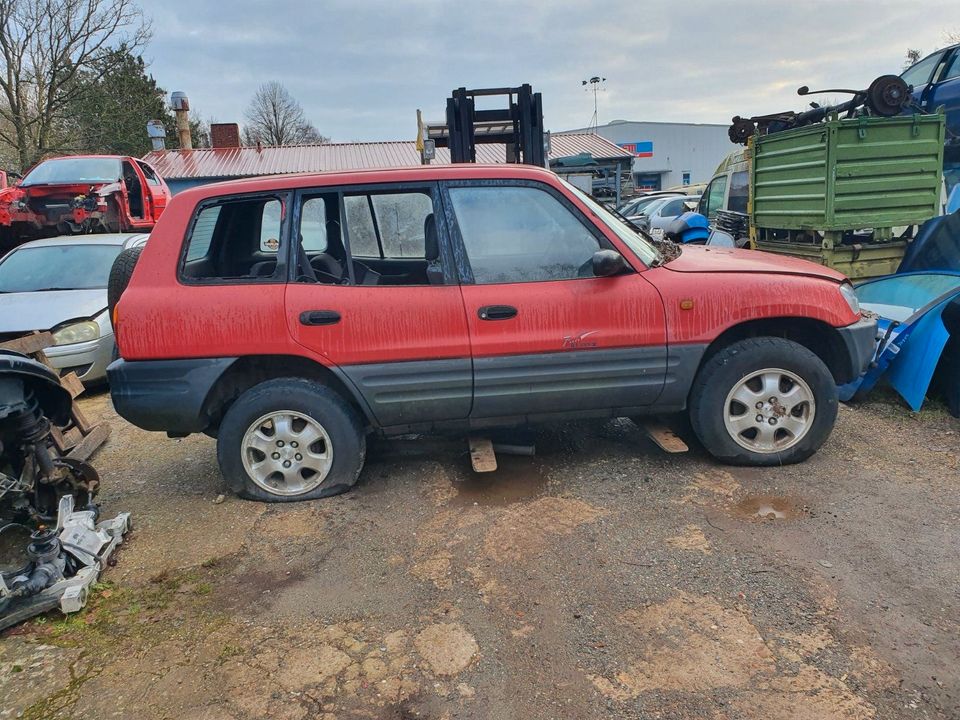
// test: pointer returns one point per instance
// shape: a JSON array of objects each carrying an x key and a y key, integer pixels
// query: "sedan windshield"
[
  {"x": 57, "y": 267},
  {"x": 644, "y": 249},
  {"x": 69, "y": 170}
]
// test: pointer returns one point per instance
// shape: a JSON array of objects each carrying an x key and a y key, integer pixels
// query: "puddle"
[
  {"x": 769, "y": 507},
  {"x": 516, "y": 478}
]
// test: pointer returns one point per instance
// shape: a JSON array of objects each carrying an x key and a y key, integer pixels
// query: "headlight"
[
  {"x": 76, "y": 333},
  {"x": 850, "y": 295}
]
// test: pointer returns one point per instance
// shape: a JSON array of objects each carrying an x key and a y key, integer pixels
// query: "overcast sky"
[{"x": 361, "y": 69}]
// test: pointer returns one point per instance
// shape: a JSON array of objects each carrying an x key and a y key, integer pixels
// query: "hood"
[
  {"x": 701, "y": 259},
  {"x": 26, "y": 311}
]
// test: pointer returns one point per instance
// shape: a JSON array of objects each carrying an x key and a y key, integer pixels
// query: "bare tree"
[
  {"x": 952, "y": 37},
  {"x": 274, "y": 117},
  {"x": 45, "y": 46},
  {"x": 913, "y": 54}
]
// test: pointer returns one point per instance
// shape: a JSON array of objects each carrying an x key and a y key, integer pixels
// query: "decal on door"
[{"x": 572, "y": 342}]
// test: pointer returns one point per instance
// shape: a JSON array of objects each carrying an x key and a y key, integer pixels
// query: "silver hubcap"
[
  {"x": 769, "y": 410},
  {"x": 287, "y": 453}
]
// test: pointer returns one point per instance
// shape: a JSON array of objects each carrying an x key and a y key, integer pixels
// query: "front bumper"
[
  {"x": 860, "y": 343},
  {"x": 88, "y": 359}
]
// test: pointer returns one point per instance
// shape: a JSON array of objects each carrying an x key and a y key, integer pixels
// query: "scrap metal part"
[{"x": 66, "y": 562}]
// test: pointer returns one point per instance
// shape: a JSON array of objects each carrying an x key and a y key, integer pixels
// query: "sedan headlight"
[
  {"x": 850, "y": 295},
  {"x": 76, "y": 333}
]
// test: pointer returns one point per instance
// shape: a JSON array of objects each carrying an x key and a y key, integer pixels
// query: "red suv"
[{"x": 290, "y": 316}]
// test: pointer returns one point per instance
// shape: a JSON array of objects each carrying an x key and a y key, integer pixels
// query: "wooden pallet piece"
[
  {"x": 663, "y": 436},
  {"x": 29, "y": 344},
  {"x": 72, "y": 383},
  {"x": 80, "y": 420},
  {"x": 91, "y": 441},
  {"x": 482, "y": 456}
]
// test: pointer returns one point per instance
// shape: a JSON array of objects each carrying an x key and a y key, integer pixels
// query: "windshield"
[
  {"x": 57, "y": 267},
  {"x": 643, "y": 248},
  {"x": 74, "y": 170}
]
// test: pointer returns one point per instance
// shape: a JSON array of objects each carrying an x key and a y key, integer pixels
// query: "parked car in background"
[
  {"x": 654, "y": 217},
  {"x": 60, "y": 285},
  {"x": 81, "y": 194},
  {"x": 936, "y": 82},
  {"x": 635, "y": 205},
  {"x": 291, "y": 352}
]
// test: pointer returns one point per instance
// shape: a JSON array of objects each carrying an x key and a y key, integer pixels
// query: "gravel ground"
[{"x": 601, "y": 578}]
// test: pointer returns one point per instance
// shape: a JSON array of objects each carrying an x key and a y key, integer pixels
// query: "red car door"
[
  {"x": 376, "y": 297},
  {"x": 546, "y": 334},
  {"x": 156, "y": 193}
]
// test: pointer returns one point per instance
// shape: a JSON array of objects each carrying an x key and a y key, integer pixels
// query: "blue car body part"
[
  {"x": 911, "y": 331},
  {"x": 936, "y": 246},
  {"x": 690, "y": 227}
]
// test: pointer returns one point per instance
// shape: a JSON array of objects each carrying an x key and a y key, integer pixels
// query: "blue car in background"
[{"x": 936, "y": 81}]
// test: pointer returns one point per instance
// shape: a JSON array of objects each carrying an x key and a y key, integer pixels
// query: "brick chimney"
[{"x": 224, "y": 135}]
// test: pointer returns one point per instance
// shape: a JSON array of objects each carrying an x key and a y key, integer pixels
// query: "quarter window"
[{"x": 521, "y": 234}]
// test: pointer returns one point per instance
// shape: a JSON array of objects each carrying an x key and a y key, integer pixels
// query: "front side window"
[
  {"x": 521, "y": 234},
  {"x": 149, "y": 174},
  {"x": 919, "y": 73},
  {"x": 238, "y": 238},
  {"x": 953, "y": 69},
  {"x": 713, "y": 197}
]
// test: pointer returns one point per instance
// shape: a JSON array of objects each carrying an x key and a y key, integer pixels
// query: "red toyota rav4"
[{"x": 290, "y": 316}]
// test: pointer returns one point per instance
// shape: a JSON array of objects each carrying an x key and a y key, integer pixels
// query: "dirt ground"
[{"x": 601, "y": 578}]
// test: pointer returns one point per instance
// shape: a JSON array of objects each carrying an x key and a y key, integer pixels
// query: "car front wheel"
[
  {"x": 290, "y": 439},
  {"x": 763, "y": 401}
]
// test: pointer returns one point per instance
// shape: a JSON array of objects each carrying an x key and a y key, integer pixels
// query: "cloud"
[{"x": 361, "y": 69}]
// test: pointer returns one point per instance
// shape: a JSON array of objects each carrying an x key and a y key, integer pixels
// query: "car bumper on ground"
[
  {"x": 89, "y": 360},
  {"x": 860, "y": 344}
]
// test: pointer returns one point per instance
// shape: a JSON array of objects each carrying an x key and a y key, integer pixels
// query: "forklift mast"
[{"x": 519, "y": 126}]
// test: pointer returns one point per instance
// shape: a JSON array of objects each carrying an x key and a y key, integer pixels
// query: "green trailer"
[{"x": 841, "y": 192}]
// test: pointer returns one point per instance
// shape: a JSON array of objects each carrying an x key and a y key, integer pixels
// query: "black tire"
[
  {"x": 725, "y": 370},
  {"x": 120, "y": 274},
  {"x": 318, "y": 402}
]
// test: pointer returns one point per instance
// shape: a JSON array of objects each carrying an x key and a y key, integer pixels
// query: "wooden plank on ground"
[
  {"x": 94, "y": 439},
  {"x": 663, "y": 436},
  {"x": 482, "y": 456},
  {"x": 57, "y": 435},
  {"x": 72, "y": 437},
  {"x": 29, "y": 344},
  {"x": 72, "y": 383},
  {"x": 80, "y": 420}
]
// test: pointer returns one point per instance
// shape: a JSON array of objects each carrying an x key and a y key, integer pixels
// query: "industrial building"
[{"x": 666, "y": 154}]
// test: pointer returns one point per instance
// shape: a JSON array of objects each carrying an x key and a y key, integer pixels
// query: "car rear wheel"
[
  {"x": 290, "y": 439},
  {"x": 120, "y": 273},
  {"x": 763, "y": 401}
]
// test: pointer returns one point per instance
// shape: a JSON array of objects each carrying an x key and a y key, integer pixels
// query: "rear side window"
[
  {"x": 521, "y": 234},
  {"x": 238, "y": 238}
]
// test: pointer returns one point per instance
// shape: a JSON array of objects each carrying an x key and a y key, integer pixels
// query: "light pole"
[{"x": 595, "y": 84}]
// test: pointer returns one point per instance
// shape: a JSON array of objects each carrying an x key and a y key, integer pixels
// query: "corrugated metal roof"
[{"x": 249, "y": 161}]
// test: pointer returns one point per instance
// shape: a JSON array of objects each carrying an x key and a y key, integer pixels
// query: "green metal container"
[
  {"x": 865, "y": 172},
  {"x": 812, "y": 187}
]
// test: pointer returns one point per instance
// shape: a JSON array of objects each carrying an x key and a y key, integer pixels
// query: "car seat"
[{"x": 431, "y": 250}]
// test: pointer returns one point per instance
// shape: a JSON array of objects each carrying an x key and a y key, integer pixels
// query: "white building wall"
[{"x": 675, "y": 148}]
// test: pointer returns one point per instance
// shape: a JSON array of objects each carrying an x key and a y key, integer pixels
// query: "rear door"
[
  {"x": 375, "y": 294},
  {"x": 546, "y": 335}
]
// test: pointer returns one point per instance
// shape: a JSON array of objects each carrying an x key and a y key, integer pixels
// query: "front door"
[
  {"x": 156, "y": 192},
  {"x": 376, "y": 296},
  {"x": 546, "y": 334}
]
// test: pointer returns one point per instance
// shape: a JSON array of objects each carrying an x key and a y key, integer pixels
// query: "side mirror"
[{"x": 607, "y": 263}]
